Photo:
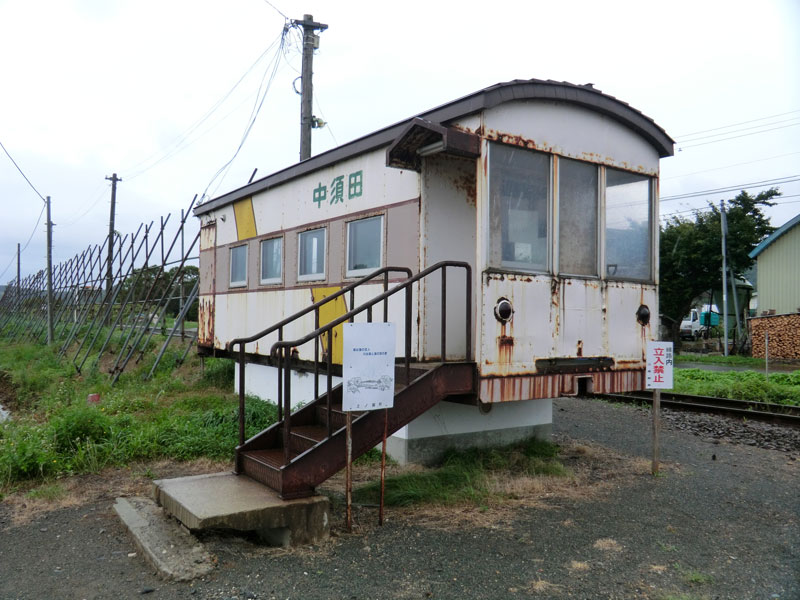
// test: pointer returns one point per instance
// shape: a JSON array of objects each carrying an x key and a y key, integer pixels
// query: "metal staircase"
[{"x": 304, "y": 448}]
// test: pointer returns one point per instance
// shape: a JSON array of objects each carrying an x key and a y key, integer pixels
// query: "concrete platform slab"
[
  {"x": 173, "y": 551},
  {"x": 229, "y": 501}
]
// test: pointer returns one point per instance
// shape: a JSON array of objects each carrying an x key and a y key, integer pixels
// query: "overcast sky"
[{"x": 141, "y": 88}]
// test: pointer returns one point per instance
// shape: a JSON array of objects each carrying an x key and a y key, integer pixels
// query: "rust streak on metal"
[{"x": 507, "y": 389}]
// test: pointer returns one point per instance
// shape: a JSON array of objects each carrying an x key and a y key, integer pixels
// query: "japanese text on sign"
[
  {"x": 659, "y": 365},
  {"x": 335, "y": 192},
  {"x": 368, "y": 366}
]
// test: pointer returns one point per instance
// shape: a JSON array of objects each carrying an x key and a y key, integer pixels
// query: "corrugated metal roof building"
[{"x": 778, "y": 272}]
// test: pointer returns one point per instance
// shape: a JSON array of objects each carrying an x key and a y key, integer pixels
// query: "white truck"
[{"x": 690, "y": 326}]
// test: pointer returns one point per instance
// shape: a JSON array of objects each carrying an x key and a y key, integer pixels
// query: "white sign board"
[
  {"x": 368, "y": 366},
  {"x": 659, "y": 365}
]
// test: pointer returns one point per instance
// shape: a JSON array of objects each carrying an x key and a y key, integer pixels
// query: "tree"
[{"x": 691, "y": 251}]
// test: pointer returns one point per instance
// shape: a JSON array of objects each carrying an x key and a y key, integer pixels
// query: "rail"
[{"x": 282, "y": 349}]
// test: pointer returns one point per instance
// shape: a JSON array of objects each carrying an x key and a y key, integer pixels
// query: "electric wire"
[
  {"x": 685, "y": 135},
  {"x": 181, "y": 142},
  {"x": 705, "y": 137},
  {"x": 277, "y": 9},
  {"x": 264, "y": 87},
  {"x": 741, "y": 186},
  {"x": 738, "y": 136},
  {"x": 750, "y": 162},
  {"x": 23, "y": 248},
  {"x": 8, "y": 154},
  {"x": 86, "y": 212},
  {"x": 778, "y": 200}
]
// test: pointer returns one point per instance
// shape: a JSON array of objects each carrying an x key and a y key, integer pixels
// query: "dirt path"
[{"x": 722, "y": 523}]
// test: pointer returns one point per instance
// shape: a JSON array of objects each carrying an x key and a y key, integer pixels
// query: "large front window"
[
  {"x": 598, "y": 208},
  {"x": 577, "y": 217},
  {"x": 628, "y": 230},
  {"x": 519, "y": 191}
]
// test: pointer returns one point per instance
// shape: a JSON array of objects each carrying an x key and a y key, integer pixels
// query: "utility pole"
[
  {"x": 724, "y": 224},
  {"x": 49, "y": 275},
  {"x": 310, "y": 43},
  {"x": 110, "y": 266},
  {"x": 19, "y": 283}
]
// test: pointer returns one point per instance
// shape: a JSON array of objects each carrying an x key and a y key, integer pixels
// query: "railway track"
[{"x": 777, "y": 414}]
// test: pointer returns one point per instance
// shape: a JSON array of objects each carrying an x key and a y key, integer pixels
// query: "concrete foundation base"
[
  {"x": 449, "y": 425},
  {"x": 228, "y": 501},
  {"x": 430, "y": 450}
]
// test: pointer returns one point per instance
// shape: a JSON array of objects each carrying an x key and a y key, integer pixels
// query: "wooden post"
[
  {"x": 383, "y": 464},
  {"x": 656, "y": 428},
  {"x": 349, "y": 472}
]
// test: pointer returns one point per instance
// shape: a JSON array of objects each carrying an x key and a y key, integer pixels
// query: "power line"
[
  {"x": 266, "y": 84},
  {"x": 692, "y": 210},
  {"x": 750, "y": 162},
  {"x": 39, "y": 220},
  {"x": 738, "y": 136},
  {"x": 180, "y": 142},
  {"x": 764, "y": 183},
  {"x": 276, "y": 9},
  {"x": 21, "y": 173},
  {"x": 705, "y": 137},
  {"x": 791, "y": 112}
]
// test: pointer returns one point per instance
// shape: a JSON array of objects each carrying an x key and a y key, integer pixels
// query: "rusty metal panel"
[
  {"x": 565, "y": 318},
  {"x": 205, "y": 321},
  {"x": 532, "y": 387},
  {"x": 448, "y": 232},
  {"x": 571, "y": 131},
  {"x": 511, "y": 348}
]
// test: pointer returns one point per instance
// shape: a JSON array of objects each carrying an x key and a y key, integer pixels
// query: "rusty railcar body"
[{"x": 548, "y": 190}]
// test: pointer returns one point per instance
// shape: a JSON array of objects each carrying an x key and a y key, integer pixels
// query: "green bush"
[{"x": 78, "y": 424}]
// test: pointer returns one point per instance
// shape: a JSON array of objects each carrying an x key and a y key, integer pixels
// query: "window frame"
[
  {"x": 312, "y": 276},
  {"x": 652, "y": 227},
  {"x": 239, "y": 282},
  {"x": 599, "y": 230},
  {"x": 506, "y": 266},
  {"x": 354, "y": 273},
  {"x": 270, "y": 280}
]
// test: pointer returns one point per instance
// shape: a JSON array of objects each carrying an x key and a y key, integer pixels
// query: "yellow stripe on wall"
[
  {"x": 245, "y": 218},
  {"x": 327, "y": 313}
]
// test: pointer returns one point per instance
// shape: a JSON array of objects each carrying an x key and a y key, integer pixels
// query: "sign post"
[
  {"x": 658, "y": 376},
  {"x": 367, "y": 384}
]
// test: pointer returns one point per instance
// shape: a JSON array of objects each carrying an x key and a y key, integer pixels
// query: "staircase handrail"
[
  {"x": 272, "y": 328},
  {"x": 283, "y": 348}
]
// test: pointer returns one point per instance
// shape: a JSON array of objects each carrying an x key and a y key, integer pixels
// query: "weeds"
[
  {"x": 780, "y": 388},
  {"x": 56, "y": 432},
  {"x": 464, "y": 476}
]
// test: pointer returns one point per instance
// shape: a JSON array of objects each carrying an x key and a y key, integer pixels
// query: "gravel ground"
[{"x": 720, "y": 523}]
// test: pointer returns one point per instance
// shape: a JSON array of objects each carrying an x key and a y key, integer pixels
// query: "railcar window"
[
  {"x": 311, "y": 259},
  {"x": 238, "y": 266},
  {"x": 364, "y": 245},
  {"x": 271, "y": 260},
  {"x": 628, "y": 228},
  {"x": 577, "y": 217},
  {"x": 519, "y": 189}
]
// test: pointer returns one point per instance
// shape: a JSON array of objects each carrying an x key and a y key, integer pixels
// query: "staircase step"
[
  {"x": 307, "y": 436},
  {"x": 264, "y": 465}
]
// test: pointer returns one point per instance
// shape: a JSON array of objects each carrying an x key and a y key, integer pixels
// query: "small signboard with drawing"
[{"x": 368, "y": 366}]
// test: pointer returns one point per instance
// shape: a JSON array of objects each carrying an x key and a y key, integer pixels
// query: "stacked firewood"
[{"x": 784, "y": 336}]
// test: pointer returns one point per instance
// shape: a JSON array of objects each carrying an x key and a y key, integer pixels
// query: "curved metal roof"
[
  {"x": 528, "y": 89},
  {"x": 774, "y": 236}
]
